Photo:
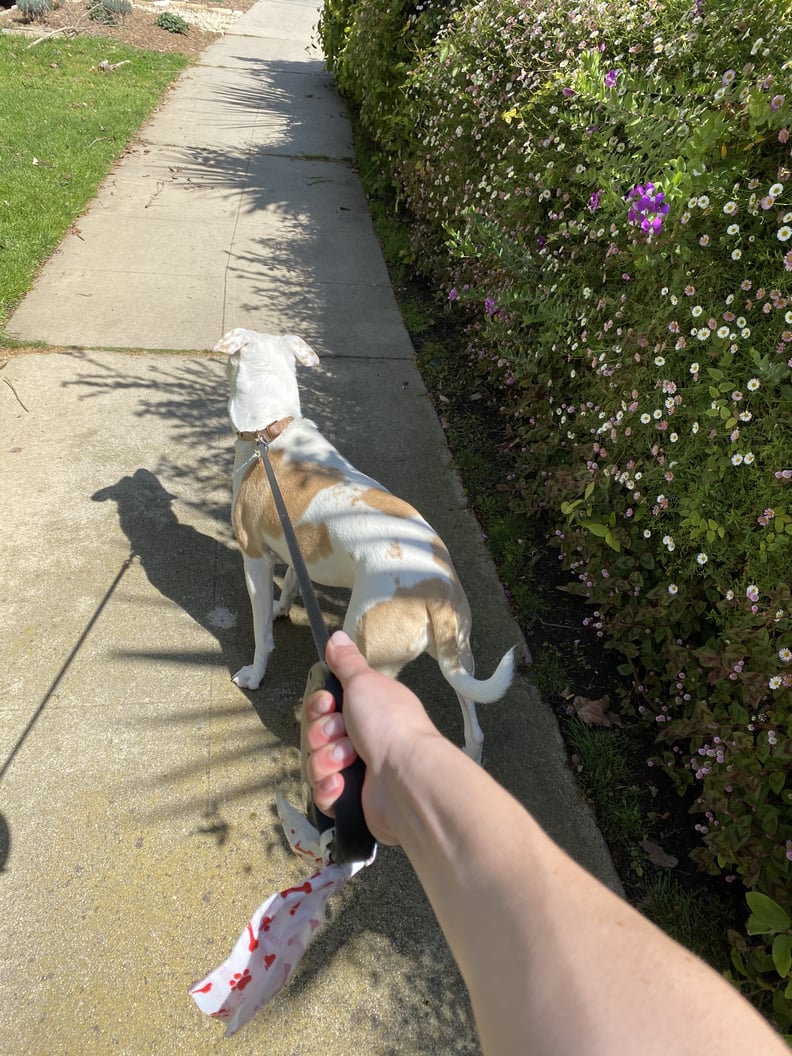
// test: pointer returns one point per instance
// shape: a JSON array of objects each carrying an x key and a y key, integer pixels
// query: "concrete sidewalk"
[{"x": 137, "y": 825}]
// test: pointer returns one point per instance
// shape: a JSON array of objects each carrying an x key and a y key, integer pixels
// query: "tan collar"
[{"x": 269, "y": 432}]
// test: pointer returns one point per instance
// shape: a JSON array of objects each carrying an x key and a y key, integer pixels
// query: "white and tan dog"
[{"x": 406, "y": 596}]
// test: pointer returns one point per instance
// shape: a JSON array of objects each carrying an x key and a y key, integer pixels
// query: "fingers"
[{"x": 330, "y": 750}]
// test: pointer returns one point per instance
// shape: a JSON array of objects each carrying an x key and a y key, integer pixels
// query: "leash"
[
  {"x": 268, "y": 952},
  {"x": 353, "y": 842}
]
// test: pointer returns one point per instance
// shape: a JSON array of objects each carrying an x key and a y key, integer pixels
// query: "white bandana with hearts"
[{"x": 270, "y": 948}]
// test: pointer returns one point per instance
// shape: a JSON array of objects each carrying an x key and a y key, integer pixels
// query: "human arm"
[{"x": 554, "y": 962}]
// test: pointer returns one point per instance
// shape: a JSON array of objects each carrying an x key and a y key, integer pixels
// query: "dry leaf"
[
  {"x": 593, "y": 712},
  {"x": 657, "y": 856}
]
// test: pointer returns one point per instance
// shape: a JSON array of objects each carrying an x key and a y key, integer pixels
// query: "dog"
[{"x": 406, "y": 597}]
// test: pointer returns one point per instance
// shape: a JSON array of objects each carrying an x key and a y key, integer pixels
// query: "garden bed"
[{"x": 138, "y": 29}]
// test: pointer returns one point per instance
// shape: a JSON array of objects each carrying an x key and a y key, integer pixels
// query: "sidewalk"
[{"x": 137, "y": 825}]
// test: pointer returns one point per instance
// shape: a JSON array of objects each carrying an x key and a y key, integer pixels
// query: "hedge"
[{"x": 603, "y": 190}]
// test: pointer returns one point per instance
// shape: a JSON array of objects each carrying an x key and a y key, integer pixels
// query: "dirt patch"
[{"x": 139, "y": 29}]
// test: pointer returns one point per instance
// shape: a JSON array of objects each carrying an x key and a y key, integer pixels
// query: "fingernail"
[
  {"x": 322, "y": 705},
  {"x": 341, "y": 638},
  {"x": 341, "y": 750},
  {"x": 333, "y": 727}
]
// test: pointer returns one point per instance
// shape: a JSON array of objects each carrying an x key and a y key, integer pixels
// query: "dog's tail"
[{"x": 481, "y": 691}]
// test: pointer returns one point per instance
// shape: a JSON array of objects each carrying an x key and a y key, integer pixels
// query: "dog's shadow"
[
  {"x": 201, "y": 574},
  {"x": 178, "y": 559}
]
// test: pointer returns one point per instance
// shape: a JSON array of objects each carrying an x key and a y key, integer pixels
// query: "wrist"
[{"x": 419, "y": 778}]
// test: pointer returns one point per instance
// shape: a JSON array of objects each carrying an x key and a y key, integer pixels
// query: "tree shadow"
[{"x": 385, "y": 909}]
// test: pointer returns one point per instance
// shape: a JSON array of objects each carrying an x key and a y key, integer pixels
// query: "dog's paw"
[{"x": 248, "y": 677}]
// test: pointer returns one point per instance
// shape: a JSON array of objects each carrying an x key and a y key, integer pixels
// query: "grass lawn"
[{"x": 63, "y": 122}]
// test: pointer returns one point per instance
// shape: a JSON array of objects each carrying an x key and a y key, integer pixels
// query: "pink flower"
[{"x": 752, "y": 592}]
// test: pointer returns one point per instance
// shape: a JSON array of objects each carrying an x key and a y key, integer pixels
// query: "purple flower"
[
  {"x": 610, "y": 78},
  {"x": 489, "y": 305},
  {"x": 453, "y": 295},
  {"x": 594, "y": 202},
  {"x": 648, "y": 207},
  {"x": 568, "y": 92}
]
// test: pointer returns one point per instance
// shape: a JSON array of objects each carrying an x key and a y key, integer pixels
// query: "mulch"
[{"x": 138, "y": 29}]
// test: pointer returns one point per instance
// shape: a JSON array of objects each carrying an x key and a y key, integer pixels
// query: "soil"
[{"x": 139, "y": 28}]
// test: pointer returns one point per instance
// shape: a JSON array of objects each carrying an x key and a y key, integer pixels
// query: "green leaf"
[
  {"x": 766, "y": 914},
  {"x": 600, "y": 530},
  {"x": 570, "y": 507},
  {"x": 776, "y": 781},
  {"x": 782, "y": 954}
]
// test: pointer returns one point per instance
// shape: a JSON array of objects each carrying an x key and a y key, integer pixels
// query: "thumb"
[{"x": 344, "y": 658}]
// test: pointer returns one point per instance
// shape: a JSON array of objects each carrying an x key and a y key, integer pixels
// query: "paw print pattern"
[{"x": 239, "y": 980}]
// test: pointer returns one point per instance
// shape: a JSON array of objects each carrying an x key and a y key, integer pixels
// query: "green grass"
[
  {"x": 63, "y": 122},
  {"x": 696, "y": 918},
  {"x": 601, "y": 758}
]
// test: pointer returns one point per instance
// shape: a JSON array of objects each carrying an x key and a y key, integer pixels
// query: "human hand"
[{"x": 382, "y": 722}]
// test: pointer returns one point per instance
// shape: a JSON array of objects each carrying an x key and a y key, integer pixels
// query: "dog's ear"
[
  {"x": 232, "y": 342},
  {"x": 301, "y": 351}
]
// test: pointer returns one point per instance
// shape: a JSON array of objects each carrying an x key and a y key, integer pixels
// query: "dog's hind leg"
[
  {"x": 288, "y": 593},
  {"x": 474, "y": 735},
  {"x": 258, "y": 576}
]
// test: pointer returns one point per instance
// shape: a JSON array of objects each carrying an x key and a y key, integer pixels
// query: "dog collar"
[{"x": 269, "y": 432}]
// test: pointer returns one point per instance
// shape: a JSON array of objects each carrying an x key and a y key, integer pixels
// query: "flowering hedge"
[{"x": 604, "y": 189}]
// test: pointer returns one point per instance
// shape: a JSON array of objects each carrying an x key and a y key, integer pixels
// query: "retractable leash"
[{"x": 274, "y": 940}]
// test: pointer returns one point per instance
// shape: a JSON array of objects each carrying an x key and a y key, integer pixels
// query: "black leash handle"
[{"x": 353, "y": 842}]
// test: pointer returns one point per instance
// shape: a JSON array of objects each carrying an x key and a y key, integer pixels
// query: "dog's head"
[
  {"x": 262, "y": 371},
  {"x": 266, "y": 351}
]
